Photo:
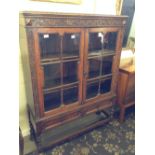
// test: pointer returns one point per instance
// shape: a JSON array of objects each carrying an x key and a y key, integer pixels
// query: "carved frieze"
[{"x": 74, "y": 22}]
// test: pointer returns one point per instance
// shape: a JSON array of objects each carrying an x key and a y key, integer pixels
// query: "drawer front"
[
  {"x": 65, "y": 117},
  {"x": 61, "y": 119},
  {"x": 98, "y": 106}
]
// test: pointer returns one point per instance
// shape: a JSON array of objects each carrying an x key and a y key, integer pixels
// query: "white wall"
[
  {"x": 87, "y": 6},
  {"x": 132, "y": 30},
  {"x": 105, "y": 7},
  {"x": 23, "y": 119}
]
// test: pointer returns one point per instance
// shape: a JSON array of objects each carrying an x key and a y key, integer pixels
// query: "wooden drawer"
[
  {"x": 62, "y": 118},
  {"x": 54, "y": 121}
]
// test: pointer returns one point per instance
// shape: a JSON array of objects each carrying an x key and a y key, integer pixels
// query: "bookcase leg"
[
  {"x": 32, "y": 132},
  {"x": 112, "y": 110},
  {"x": 38, "y": 139},
  {"x": 122, "y": 114}
]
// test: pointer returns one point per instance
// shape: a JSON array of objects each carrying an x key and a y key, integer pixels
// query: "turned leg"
[
  {"x": 38, "y": 142},
  {"x": 112, "y": 110},
  {"x": 32, "y": 132},
  {"x": 38, "y": 139}
]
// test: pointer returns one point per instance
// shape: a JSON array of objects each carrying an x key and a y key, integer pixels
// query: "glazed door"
[
  {"x": 60, "y": 66},
  {"x": 98, "y": 63}
]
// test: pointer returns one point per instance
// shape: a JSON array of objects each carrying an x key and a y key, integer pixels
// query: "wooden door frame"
[
  {"x": 115, "y": 60},
  {"x": 39, "y": 69}
]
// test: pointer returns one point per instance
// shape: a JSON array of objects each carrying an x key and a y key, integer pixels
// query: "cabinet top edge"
[
  {"x": 60, "y": 14},
  {"x": 128, "y": 69}
]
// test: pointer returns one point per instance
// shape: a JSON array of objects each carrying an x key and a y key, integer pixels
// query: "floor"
[{"x": 112, "y": 139}]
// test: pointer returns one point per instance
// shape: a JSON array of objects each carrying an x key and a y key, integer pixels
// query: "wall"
[
  {"x": 23, "y": 121},
  {"x": 87, "y": 6},
  {"x": 132, "y": 30}
]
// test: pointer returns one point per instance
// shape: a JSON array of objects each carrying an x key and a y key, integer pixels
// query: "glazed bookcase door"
[
  {"x": 60, "y": 66},
  {"x": 100, "y": 53}
]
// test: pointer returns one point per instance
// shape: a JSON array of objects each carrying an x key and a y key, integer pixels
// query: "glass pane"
[
  {"x": 107, "y": 65},
  {"x": 52, "y": 100},
  {"x": 95, "y": 41},
  {"x": 50, "y": 45},
  {"x": 94, "y": 67},
  {"x": 52, "y": 76},
  {"x": 71, "y": 44},
  {"x": 70, "y": 72},
  {"x": 92, "y": 89},
  {"x": 70, "y": 95},
  {"x": 110, "y": 39},
  {"x": 105, "y": 86},
  {"x": 102, "y": 42}
]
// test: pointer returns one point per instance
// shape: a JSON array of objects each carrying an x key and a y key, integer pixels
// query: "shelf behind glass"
[
  {"x": 50, "y": 44},
  {"x": 99, "y": 41},
  {"x": 71, "y": 44},
  {"x": 105, "y": 86},
  {"x": 98, "y": 87},
  {"x": 70, "y": 95},
  {"x": 100, "y": 53},
  {"x": 52, "y": 100},
  {"x": 52, "y": 75},
  {"x": 99, "y": 66},
  {"x": 92, "y": 89},
  {"x": 94, "y": 67},
  {"x": 51, "y": 49},
  {"x": 57, "y": 97},
  {"x": 107, "y": 65},
  {"x": 70, "y": 72}
]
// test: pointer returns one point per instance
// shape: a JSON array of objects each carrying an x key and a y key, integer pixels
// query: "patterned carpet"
[{"x": 113, "y": 139}]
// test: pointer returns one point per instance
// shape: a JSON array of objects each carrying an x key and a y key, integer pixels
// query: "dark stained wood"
[
  {"x": 85, "y": 62},
  {"x": 42, "y": 22},
  {"x": 30, "y": 41},
  {"x": 116, "y": 60},
  {"x": 81, "y": 67},
  {"x": 126, "y": 89}
]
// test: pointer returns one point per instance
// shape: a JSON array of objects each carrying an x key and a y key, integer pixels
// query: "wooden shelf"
[
  {"x": 100, "y": 53},
  {"x": 48, "y": 90}
]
